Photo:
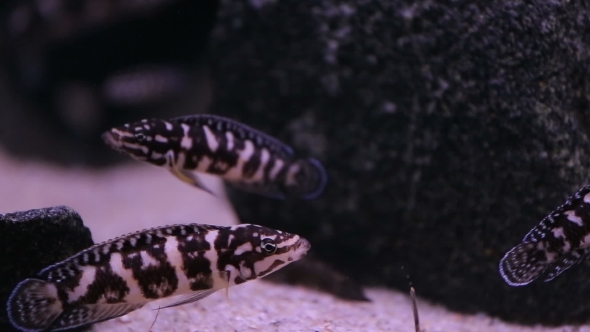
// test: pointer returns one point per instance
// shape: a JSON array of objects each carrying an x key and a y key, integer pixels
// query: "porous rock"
[
  {"x": 32, "y": 240},
  {"x": 317, "y": 274},
  {"x": 72, "y": 70},
  {"x": 448, "y": 130}
]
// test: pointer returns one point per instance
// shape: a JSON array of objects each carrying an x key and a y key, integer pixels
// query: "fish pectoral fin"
[
  {"x": 190, "y": 178},
  {"x": 184, "y": 175},
  {"x": 189, "y": 298},
  {"x": 92, "y": 313},
  {"x": 225, "y": 276}
]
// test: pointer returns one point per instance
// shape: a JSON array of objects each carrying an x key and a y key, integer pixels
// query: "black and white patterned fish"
[
  {"x": 244, "y": 157},
  {"x": 182, "y": 262},
  {"x": 561, "y": 240}
]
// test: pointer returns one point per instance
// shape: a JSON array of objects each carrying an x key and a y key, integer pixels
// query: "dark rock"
[
  {"x": 448, "y": 129},
  {"x": 71, "y": 70},
  {"x": 32, "y": 240},
  {"x": 318, "y": 275}
]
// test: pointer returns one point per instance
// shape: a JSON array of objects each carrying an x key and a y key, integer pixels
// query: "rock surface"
[
  {"x": 32, "y": 240},
  {"x": 448, "y": 130},
  {"x": 69, "y": 71}
]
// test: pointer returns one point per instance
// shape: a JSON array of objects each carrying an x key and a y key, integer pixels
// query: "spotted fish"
[
  {"x": 559, "y": 241},
  {"x": 179, "y": 263},
  {"x": 244, "y": 157}
]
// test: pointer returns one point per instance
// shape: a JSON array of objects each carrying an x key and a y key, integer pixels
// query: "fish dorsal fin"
[
  {"x": 565, "y": 262},
  {"x": 242, "y": 131},
  {"x": 92, "y": 313},
  {"x": 562, "y": 215},
  {"x": 188, "y": 298}
]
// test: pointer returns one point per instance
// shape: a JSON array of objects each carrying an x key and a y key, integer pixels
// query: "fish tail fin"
[
  {"x": 523, "y": 264},
  {"x": 33, "y": 305},
  {"x": 311, "y": 179}
]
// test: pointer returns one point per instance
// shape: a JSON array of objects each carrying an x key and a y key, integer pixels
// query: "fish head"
[
  {"x": 271, "y": 251},
  {"x": 137, "y": 139}
]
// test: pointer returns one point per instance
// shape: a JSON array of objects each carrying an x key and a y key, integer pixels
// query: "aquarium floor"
[
  {"x": 135, "y": 196},
  {"x": 264, "y": 306}
]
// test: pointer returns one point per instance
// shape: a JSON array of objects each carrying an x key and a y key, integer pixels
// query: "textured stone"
[
  {"x": 32, "y": 240},
  {"x": 316, "y": 274},
  {"x": 448, "y": 129},
  {"x": 71, "y": 70}
]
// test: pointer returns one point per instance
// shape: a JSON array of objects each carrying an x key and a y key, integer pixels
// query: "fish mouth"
[
  {"x": 112, "y": 139},
  {"x": 301, "y": 247}
]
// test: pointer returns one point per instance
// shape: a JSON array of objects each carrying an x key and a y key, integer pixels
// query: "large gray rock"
[
  {"x": 32, "y": 240},
  {"x": 448, "y": 130}
]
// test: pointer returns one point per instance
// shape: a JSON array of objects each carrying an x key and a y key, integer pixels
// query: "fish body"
[
  {"x": 243, "y": 156},
  {"x": 559, "y": 241},
  {"x": 184, "y": 263}
]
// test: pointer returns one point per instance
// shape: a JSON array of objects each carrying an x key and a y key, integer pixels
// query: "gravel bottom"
[
  {"x": 136, "y": 196},
  {"x": 115, "y": 201},
  {"x": 264, "y": 306}
]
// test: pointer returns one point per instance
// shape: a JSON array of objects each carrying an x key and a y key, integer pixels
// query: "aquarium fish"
[
  {"x": 559, "y": 241},
  {"x": 244, "y": 157},
  {"x": 179, "y": 263}
]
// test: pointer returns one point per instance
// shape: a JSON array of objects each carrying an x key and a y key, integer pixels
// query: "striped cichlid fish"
[
  {"x": 245, "y": 157},
  {"x": 559, "y": 241},
  {"x": 182, "y": 263}
]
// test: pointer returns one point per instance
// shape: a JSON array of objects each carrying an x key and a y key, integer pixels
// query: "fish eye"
[
  {"x": 140, "y": 137},
  {"x": 268, "y": 246}
]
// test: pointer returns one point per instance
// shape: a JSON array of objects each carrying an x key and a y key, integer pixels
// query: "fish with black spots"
[
  {"x": 246, "y": 158},
  {"x": 178, "y": 263},
  {"x": 559, "y": 241}
]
